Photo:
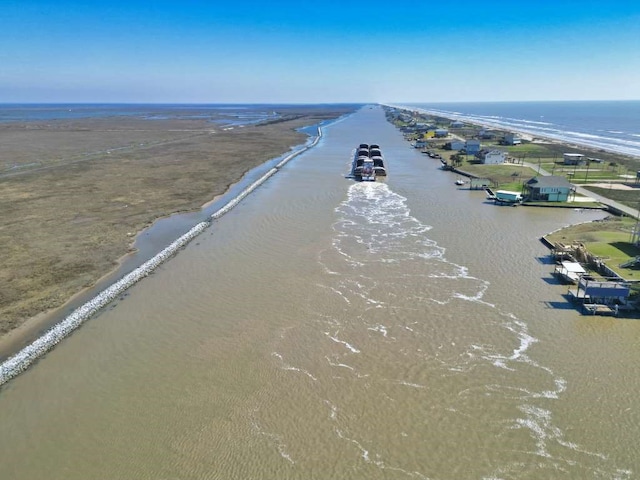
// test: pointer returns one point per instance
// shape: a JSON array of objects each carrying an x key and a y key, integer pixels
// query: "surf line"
[{"x": 22, "y": 360}]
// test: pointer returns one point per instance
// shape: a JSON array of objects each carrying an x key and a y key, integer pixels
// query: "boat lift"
[{"x": 600, "y": 296}]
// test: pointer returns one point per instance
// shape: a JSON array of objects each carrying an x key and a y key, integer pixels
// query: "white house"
[{"x": 493, "y": 157}]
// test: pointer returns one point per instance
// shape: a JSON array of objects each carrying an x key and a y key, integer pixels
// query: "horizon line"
[{"x": 97, "y": 102}]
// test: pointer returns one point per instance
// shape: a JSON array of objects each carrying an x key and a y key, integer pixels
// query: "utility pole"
[
  {"x": 587, "y": 174},
  {"x": 635, "y": 239}
]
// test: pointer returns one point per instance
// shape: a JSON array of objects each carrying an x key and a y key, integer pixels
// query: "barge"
[{"x": 368, "y": 163}]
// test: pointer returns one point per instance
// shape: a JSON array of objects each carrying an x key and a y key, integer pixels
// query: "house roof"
[
  {"x": 549, "y": 181},
  {"x": 484, "y": 152},
  {"x": 507, "y": 193},
  {"x": 573, "y": 267}
]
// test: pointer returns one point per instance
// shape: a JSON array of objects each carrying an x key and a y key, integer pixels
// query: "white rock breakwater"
[{"x": 19, "y": 362}]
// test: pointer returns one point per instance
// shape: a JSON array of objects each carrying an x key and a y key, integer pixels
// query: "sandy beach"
[{"x": 75, "y": 195}]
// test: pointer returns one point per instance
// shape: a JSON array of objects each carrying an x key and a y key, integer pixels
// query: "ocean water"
[{"x": 609, "y": 125}]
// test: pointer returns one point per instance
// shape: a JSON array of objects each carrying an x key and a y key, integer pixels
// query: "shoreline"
[
  {"x": 51, "y": 329},
  {"x": 165, "y": 228},
  {"x": 527, "y": 135}
]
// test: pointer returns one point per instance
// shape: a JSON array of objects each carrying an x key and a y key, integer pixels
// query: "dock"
[
  {"x": 600, "y": 296},
  {"x": 598, "y": 309}
]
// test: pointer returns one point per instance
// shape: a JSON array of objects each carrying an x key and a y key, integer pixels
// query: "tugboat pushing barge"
[{"x": 368, "y": 163}]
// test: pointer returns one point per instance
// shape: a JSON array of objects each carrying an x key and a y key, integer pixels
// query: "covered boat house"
[
  {"x": 506, "y": 196},
  {"x": 600, "y": 296}
]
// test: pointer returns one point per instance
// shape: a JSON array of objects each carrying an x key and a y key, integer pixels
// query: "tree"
[{"x": 456, "y": 159}]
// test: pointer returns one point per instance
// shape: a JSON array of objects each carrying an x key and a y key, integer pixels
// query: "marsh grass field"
[{"x": 74, "y": 194}]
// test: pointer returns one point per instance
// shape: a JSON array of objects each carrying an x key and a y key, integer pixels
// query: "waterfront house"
[
  {"x": 511, "y": 139},
  {"x": 472, "y": 147},
  {"x": 548, "y": 189},
  {"x": 441, "y": 133},
  {"x": 454, "y": 145},
  {"x": 573, "y": 159},
  {"x": 486, "y": 134},
  {"x": 492, "y": 157},
  {"x": 456, "y": 124}
]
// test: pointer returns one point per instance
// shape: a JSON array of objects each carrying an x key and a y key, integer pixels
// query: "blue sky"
[{"x": 318, "y": 52}]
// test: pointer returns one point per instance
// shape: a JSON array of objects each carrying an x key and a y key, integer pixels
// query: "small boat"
[{"x": 460, "y": 182}]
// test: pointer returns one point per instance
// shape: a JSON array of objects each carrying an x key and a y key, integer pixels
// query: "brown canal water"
[{"x": 332, "y": 329}]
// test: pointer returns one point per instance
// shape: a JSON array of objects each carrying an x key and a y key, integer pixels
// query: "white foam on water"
[
  {"x": 346, "y": 344},
  {"x": 379, "y": 328},
  {"x": 409, "y": 384},
  {"x": 274, "y": 438},
  {"x": 376, "y": 459},
  {"x": 287, "y": 367},
  {"x": 338, "y": 292},
  {"x": 341, "y": 365},
  {"x": 375, "y": 230},
  {"x": 539, "y": 421},
  {"x": 333, "y": 413},
  {"x": 363, "y": 451}
]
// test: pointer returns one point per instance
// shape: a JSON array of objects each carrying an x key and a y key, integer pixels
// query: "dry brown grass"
[{"x": 72, "y": 193}]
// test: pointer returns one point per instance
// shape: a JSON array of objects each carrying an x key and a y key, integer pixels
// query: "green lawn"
[
  {"x": 631, "y": 198},
  {"x": 506, "y": 177},
  {"x": 609, "y": 239}
]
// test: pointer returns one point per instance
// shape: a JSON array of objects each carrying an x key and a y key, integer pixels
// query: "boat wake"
[{"x": 412, "y": 330}]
